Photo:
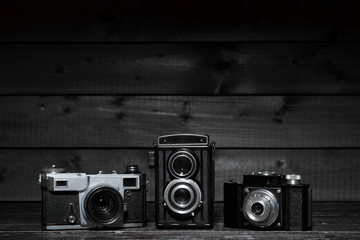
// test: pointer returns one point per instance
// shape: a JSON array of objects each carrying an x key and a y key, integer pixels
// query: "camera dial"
[
  {"x": 132, "y": 169},
  {"x": 261, "y": 208},
  {"x": 293, "y": 179},
  {"x": 264, "y": 173},
  {"x": 53, "y": 169}
]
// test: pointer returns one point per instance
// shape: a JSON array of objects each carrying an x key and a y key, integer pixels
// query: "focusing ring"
[
  {"x": 264, "y": 200},
  {"x": 187, "y": 185},
  {"x": 111, "y": 210}
]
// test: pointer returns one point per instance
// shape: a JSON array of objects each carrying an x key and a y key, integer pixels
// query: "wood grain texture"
[
  {"x": 136, "y": 121},
  {"x": 332, "y": 174},
  {"x": 23, "y": 221},
  {"x": 180, "y": 68},
  {"x": 178, "y": 20}
]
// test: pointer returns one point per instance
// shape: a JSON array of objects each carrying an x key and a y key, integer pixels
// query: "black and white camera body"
[
  {"x": 184, "y": 172},
  {"x": 90, "y": 201},
  {"x": 267, "y": 201}
]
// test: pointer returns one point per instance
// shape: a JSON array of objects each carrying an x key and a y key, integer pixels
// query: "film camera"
[
  {"x": 268, "y": 201},
  {"x": 184, "y": 184},
  {"x": 82, "y": 201}
]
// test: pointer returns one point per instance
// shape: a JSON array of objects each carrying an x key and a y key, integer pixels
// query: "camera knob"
[
  {"x": 293, "y": 179},
  {"x": 265, "y": 173},
  {"x": 53, "y": 169},
  {"x": 100, "y": 172},
  {"x": 132, "y": 169},
  {"x": 151, "y": 159}
]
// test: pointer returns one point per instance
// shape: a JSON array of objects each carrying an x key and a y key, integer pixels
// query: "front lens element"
[
  {"x": 103, "y": 204},
  {"x": 182, "y": 165},
  {"x": 257, "y": 209},
  {"x": 182, "y": 196}
]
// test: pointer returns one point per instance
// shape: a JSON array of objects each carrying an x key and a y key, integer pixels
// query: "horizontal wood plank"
[
  {"x": 136, "y": 121},
  {"x": 180, "y": 68},
  {"x": 23, "y": 221},
  {"x": 179, "y": 20},
  {"x": 332, "y": 174}
]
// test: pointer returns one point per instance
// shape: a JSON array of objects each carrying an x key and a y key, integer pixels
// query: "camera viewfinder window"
[
  {"x": 62, "y": 183},
  {"x": 129, "y": 182}
]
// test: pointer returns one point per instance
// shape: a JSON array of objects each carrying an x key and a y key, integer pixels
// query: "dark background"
[{"x": 90, "y": 86}]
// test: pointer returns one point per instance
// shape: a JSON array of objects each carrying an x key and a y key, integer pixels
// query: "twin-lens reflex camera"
[{"x": 184, "y": 181}]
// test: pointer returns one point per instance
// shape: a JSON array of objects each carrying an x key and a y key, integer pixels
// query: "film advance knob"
[
  {"x": 293, "y": 179},
  {"x": 53, "y": 169},
  {"x": 132, "y": 169},
  {"x": 265, "y": 173}
]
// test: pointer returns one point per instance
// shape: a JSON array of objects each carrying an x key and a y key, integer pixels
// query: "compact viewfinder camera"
[
  {"x": 80, "y": 200},
  {"x": 184, "y": 185},
  {"x": 268, "y": 201}
]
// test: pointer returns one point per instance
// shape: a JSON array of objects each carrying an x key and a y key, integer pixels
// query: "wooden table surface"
[{"x": 331, "y": 220}]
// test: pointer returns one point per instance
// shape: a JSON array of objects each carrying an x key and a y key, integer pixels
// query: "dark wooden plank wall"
[
  {"x": 136, "y": 121},
  {"x": 181, "y": 68},
  {"x": 90, "y": 88}
]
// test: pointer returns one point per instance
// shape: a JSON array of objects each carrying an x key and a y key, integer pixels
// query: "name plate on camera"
[{"x": 183, "y": 139}]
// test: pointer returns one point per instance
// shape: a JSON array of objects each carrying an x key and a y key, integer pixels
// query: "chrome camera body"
[
  {"x": 88, "y": 201},
  {"x": 267, "y": 201},
  {"x": 184, "y": 185}
]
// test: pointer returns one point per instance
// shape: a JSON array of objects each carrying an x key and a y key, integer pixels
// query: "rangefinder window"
[
  {"x": 61, "y": 183},
  {"x": 129, "y": 182}
]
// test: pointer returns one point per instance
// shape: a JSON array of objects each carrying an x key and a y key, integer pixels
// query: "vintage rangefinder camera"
[
  {"x": 83, "y": 201},
  {"x": 268, "y": 201},
  {"x": 184, "y": 173}
]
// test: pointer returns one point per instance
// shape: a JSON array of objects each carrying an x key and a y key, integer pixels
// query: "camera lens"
[
  {"x": 182, "y": 164},
  {"x": 103, "y": 205},
  {"x": 182, "y": 196},
  {"x": 261, "y": 208},
  {"x": 257, "y": 208}
]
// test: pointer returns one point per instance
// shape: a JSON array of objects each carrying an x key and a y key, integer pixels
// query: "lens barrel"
[
  {"x": 261, "y": 208},
  {"x": 182, "y": 196},
  {"x": 182, "y": 164},
  {"x": 103, "y": 205}
]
